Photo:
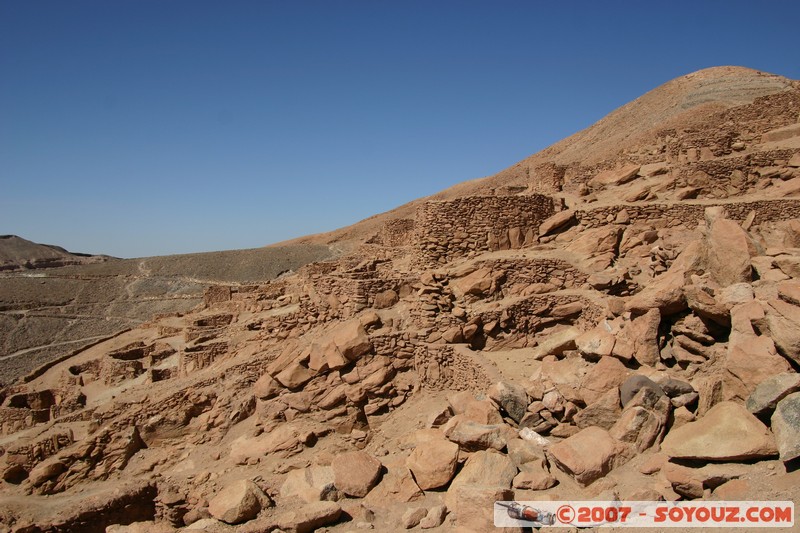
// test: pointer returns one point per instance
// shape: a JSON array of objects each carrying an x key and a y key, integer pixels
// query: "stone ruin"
[{"x": 594, "y": 334}]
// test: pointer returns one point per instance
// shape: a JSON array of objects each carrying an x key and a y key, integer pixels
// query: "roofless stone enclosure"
[{"x": 458, "y": 228}]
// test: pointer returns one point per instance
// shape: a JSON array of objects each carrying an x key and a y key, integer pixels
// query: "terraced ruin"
[{"x": 595, "y": 322}]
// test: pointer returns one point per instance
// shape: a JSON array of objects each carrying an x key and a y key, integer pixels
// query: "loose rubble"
[{"x": 629, "y": 328}]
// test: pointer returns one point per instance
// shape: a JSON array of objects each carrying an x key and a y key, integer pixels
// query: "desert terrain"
[{"x": 616, "y": 317}]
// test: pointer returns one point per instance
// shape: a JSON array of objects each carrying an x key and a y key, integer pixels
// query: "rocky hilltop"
[
  {"x": 17, "y": 254},
  {"x": 615, "y": 317}
]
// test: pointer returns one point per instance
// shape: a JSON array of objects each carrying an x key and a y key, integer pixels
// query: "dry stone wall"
[
  {"x": 395, "y": 233},
  {"x": 690, "y": 214},
  {"x": 521, "y": 273},
  {"x": 448, "y": 230},
  {"x": 445, "y": 367},
  {"x": 531, "y": 314}
]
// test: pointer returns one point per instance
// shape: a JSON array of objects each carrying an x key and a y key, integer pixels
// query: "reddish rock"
[
  {"x": 356, "y": 473},
  {"x": 266, "y": 387},
  {"x": 728, "y": 253},
  {"x": 595, "y": 343},
  {"x": 608, "y": 373},
  {"x": 752, "y": 360},
  {"x": 472, "y": 436},
  {"x": 727, "y": 432},
  {"x": 786, "y": 425},
  {"x": 665, "y": 293},
  {"x": 557, "y": 222},
  {"x": 433, "y": 463},
  {"x": 386, "y": 299},
  {"x": 617, "y": 176},
  {"x": 238, "y": 502},
  {"x": 308, "y": 518},
  {"x": 352, "y": 340},
  {"x": 783, "y": 322},
  {"x": 588, "y": 455},
  {"x": 511, "y": 397}
]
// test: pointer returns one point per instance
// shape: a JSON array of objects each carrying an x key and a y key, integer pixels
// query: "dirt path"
[{"x": 51, "y": 345}]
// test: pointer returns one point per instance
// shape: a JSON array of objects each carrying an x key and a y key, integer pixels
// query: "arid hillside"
[
  {"x": 615, "y": 318},
  {"x": 49, "y": 313}
]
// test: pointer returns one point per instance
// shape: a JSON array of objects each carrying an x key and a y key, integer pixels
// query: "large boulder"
[
  {"x": 511, "y": 397},
  {"x": 397, "y": 485},
  {"x": 608, "y": 373},
  {"x": 556, "y": 343},
  {"x": 352, "y": 340},
  {"x": 603, "y": 412},
  {"x": 588, "y": 455},
  {"x": 557, "y": 222},
  {"x": 786, "y": 425},
  {"x": 665, "y": 293},
  {"x": 595, "y": 343},
  {"x": 783, "y": 322},
  {"x": 238, "y": 502},
  {"x": 631, "y": 387},
  {"x": 769, "y": 392},
  {"x": 483, "y": 469},
  {"x": 728, "y": 253},
  {"x": 616, "y": 176},
  {"x": 266, "y": 387},
  {"x": 480, "y": 283},
  {"x": 307, "y": 518},
  {"x": 641, "y": 334},
  {"x": 355, "y": 473},
  {"x": 727, "y": 432},
  {"x": 644, "y": 419},
  {"x": 473, "y": 436},
  {"x": 598, "y": 245},
  {"x": 312, "y": 484},
  {"x": 433, "y": 463},
  {"x": 753, "y": 359}
]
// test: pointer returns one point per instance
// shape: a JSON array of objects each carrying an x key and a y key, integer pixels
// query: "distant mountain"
[{"x": 17, "y": 253}]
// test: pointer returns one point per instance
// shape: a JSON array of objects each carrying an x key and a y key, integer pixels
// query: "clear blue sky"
[{"x": 144, "y": 127}]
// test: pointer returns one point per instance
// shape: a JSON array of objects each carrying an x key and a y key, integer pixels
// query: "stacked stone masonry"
[
  {"x": 690, "y": 214},
  {"x": 442, "y": 367},
  {"x": 520, "y": 273},
  {"x": 465, "y": 226}
]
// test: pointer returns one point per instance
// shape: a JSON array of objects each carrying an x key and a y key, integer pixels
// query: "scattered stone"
[
  {"x": 595, "y": 344},
  {"x": 558, "y": 222},
  {"x": 309, "y": 517},
  {"x": 634, "y": 384},
  {"x": 511, "y": 397},
  {"x": 783, "y": 322},
  {"x": 355, "y": 473},
  {"x": 588, "y": 455},
  {"x": 238, "y": 502},
  {"x": 556, "y": 343},
  {"x": 727, "y": 432},
  {"x": 433, "y": 463},
  {"x": 534, "y": 477},
  {"x": 386, "y": 299},
  {"x": 769, "y": 392},
  {"x": 616, "y": 177},
  {"x": 644, "y": 420},
  {"x": 472, "y": 436},
  {"x": 728, "y": 253},
  {"x": 483, "y": 469},
  {"x": 434, "y": 518},
  {"x": 786, "y": 426},
  {"x": 602, "y": 413},
  {"x": 412, "y": 517},
  {"x": 608, "y": 373},
  {"x": 312, "y": 484}
]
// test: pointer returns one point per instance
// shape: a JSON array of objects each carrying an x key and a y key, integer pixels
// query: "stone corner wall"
[{"x": 460, "y": 227}]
